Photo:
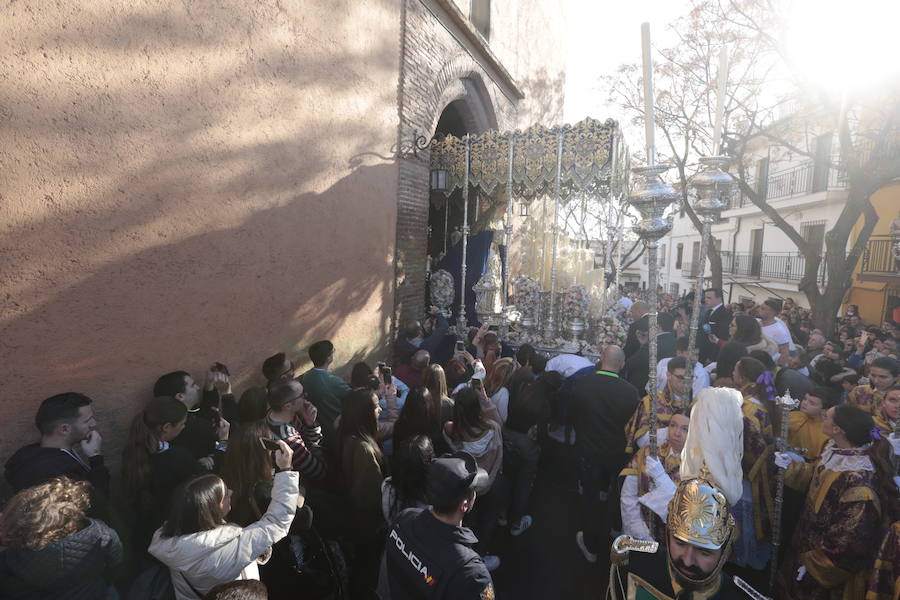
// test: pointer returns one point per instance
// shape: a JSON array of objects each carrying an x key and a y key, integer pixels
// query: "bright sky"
[{"x": 603, "y": 36}]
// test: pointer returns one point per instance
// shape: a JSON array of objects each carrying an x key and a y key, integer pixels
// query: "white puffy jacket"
[{"x": 200, "y": 561}]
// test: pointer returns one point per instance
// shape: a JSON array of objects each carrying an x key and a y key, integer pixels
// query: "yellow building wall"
[{"x": 871, "y": 296}]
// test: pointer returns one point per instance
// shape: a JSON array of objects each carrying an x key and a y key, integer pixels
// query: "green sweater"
[{"x": 326, "y": 391}]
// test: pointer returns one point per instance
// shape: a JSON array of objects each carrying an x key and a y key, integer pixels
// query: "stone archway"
[{"x": 459, "y": 94}]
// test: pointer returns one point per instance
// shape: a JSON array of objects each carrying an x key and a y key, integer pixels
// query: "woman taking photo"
[
  {"x": 151, "y": 468},
  {"x": 202, "y": 550},
  {"x": 248, "y": 473},
  {"x": 52, "y": 550}
]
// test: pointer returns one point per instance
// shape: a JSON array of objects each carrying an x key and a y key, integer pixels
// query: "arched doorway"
[{"x": 468, "y": 110}]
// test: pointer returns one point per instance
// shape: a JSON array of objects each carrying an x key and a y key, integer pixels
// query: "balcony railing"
[
  {"x": 689, "y": 269},
  {"x": 796, "y": 181},
  {"x": 879, "y": 256},
  {"x": 780, "y": 266}
]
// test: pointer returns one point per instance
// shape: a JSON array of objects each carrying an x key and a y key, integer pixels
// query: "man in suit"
[
  {"x": 637, "y": 367},
  {"x": 638, "y": 310},
  {"x": 602, "y": 404},
  {"x": 715, "y": 323}
]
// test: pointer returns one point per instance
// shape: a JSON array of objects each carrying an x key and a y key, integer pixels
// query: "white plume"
[{"x": 716, "y": 439}]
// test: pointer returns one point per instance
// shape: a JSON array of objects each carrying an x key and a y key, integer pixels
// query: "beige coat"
[{"x": 205, "y": 559}]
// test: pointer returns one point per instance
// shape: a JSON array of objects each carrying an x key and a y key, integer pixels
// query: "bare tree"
[
  {"x": 759, "y": 80},
  {"x": 597, "y": 222}
]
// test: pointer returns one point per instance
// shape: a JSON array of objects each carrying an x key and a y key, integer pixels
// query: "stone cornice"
[{"x": 453, "y": 20}]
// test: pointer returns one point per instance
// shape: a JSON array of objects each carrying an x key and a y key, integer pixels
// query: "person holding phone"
[
  {"x": 292, "y": 419},
  {"x": 415, "y": 337},
  {"x": 202, "y": 550}
]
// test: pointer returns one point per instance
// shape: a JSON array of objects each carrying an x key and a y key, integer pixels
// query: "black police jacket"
[{"x": 427, "y": 558}]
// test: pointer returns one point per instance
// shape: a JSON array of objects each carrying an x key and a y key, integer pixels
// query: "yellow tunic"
[{"x": 806, "y": 432}]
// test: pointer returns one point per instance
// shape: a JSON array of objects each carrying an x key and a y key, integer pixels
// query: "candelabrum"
[
  {"x": 651, "y": 197},
  {"x": 713, "y": 187},
  {"x": 786, "y": 404}
]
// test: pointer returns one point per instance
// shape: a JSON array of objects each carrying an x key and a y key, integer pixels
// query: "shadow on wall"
[
  {"x": 157, "y": 188},
  {"x": 209, "y": 297},
  {"x": 544, "y": 99}
]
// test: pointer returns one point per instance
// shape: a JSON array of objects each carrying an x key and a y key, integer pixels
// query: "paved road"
[{"x": 544, "y": 562}]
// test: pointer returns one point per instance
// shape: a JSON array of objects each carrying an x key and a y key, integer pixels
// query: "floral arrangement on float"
[
  {"x": 611, "y": 330},
  {"x": 527, "y": 296},
  {"x": 576, "y": 304},
  {"x": 443, "y": 291}
]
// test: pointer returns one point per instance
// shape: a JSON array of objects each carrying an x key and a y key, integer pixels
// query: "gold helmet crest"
[{"x": 699, "y": 514}]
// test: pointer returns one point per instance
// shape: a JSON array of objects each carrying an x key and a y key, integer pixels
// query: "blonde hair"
[
  {"x": 501, "y": 373},
  {"x": 40, "y": 515}
]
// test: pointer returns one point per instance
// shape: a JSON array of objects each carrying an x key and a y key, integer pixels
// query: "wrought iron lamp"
[{"x": 438, "y": 180}]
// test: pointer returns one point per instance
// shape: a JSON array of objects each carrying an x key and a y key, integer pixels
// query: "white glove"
[
  {"x": 894, "y": 441},
  {"x": 801, "y": 573},
  {"x": 654, "y": 468},
  {"x": 783, "y": 459}
]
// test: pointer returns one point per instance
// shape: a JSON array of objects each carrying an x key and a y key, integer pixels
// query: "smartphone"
[
  {"x": 220, "y": 368},
  {"x": 475, "y": 383},
  {"x": 460, "y": 346},
  {"x": 386, "y": 374},
  {"x": 269, "y": 444}
]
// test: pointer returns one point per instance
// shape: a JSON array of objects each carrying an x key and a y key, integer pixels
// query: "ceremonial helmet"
[{"x": 699, "y": 515}]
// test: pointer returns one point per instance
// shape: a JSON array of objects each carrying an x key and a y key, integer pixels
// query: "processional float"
[{"x": 588, "y": 159}]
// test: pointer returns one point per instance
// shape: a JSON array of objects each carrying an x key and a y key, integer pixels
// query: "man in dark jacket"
[
  {"x": 70, "y": 445},
  {"x": 714, "y": 322},
  {"x": 429, "y": 553},
  {"x": 632, "y": 344},
  {"x": 637, "y": 367},
  {"x": 205, "y": 431},
  {"x": 602, "y": 403}
]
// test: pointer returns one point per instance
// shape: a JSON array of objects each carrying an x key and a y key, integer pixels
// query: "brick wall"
[{"x": 432, "y": 64}]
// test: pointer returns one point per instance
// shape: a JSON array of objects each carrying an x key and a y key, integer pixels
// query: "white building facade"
[{"x": 759, "y": 261}]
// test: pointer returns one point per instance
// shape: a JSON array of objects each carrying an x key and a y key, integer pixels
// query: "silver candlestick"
[
  {"x": 651, "y": 197},
  {"x": 461, "y": 325},
  {"x": 713, "y": 186},
  {"x": 550, "y": 328}
]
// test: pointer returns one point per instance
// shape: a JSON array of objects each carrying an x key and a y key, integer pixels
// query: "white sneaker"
[
  {"x": 588, "y": 556},
  {"x": 523, "y": 524},
  {"x": 491, "y": 561}
]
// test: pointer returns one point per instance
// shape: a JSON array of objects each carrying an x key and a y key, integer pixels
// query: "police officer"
[{"x": 429, "y": 553}]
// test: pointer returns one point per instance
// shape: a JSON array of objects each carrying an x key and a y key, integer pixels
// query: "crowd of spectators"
[{"x": 368, "y": 487}]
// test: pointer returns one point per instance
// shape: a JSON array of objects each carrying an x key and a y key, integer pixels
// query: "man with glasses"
[
  {"x": 701, "y": 377},
  {"x": 292, "y": 418},
  {"x": 278, "y": 369},
  {"x": 637, "y": 432}
]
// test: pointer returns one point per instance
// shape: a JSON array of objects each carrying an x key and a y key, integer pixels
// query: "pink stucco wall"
[{"x": 189, "y": 182}]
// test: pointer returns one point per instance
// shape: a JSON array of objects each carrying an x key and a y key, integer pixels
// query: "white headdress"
[{"x": 715, "y": 440}]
